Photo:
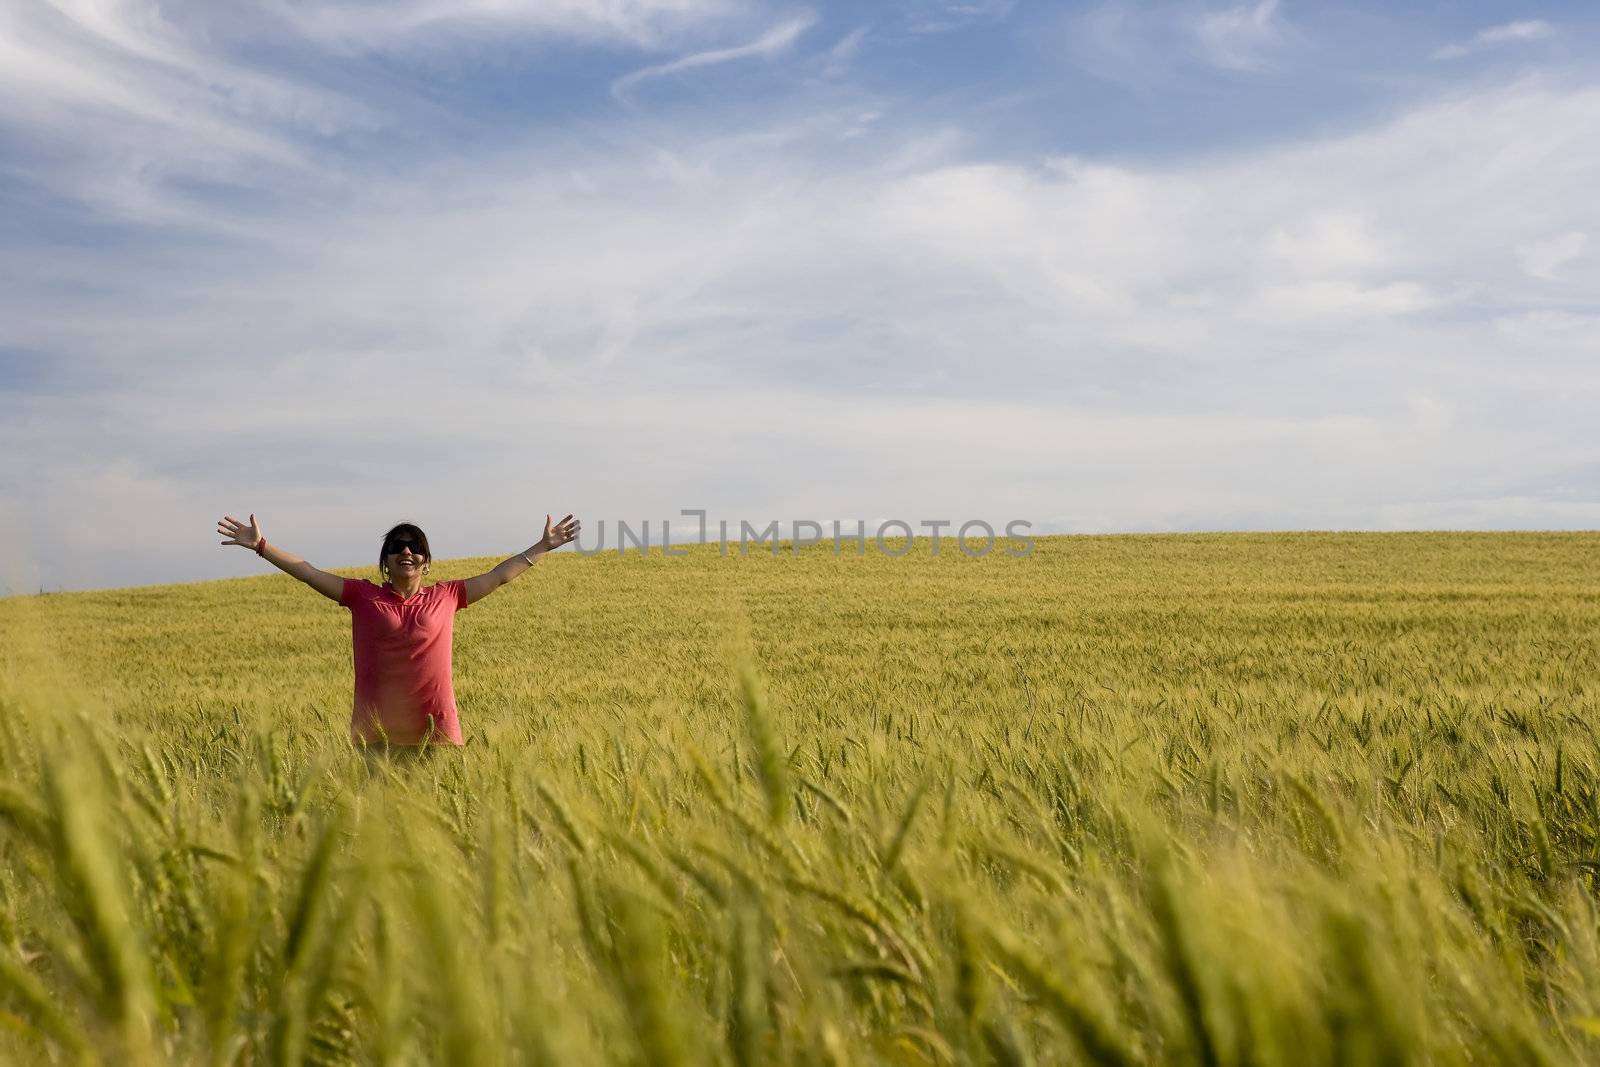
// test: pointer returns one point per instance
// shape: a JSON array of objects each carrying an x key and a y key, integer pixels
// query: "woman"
[{"x": 401, "y": 630}]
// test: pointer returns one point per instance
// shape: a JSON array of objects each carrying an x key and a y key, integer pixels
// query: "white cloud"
[
  {"x": 1146, "y": 44},
  {"x": 786, "y": 320},
  {"x": 1506, "y": 33},
  {"x": 367, "y": 24},
  {"x": 133, "y": 114},
  {"x": 1527, "y": 30},
  {"x": 1239, "y": 38},
  {"x": 117, "y": 105},
  {"x": 124, "y": 61},
  {"x": 943, "y": 16},
  {"x": 1545, "y": 258},
  {"x": 1329, "y": 241},
  {"x": 778, "y": 39},
  {"x": 845, "y": 50}
]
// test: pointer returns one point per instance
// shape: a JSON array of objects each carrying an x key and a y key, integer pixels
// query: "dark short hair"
[{"x": 408, "y": 529}]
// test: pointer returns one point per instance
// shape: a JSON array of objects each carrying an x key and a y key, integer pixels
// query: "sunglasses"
[{"x": 394, "y": 548}]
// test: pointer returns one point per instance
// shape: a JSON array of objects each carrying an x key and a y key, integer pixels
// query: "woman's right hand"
[{"x": 237, "y": 533}]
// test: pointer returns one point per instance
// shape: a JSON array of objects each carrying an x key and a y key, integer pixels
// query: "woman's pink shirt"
[{"x": 404, "y": 692}]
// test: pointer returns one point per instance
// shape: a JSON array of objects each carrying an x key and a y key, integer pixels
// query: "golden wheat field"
[{"x": 1225, "y": 799}]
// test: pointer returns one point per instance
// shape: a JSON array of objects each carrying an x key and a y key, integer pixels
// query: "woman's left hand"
[{"x": 557, "y": 534}]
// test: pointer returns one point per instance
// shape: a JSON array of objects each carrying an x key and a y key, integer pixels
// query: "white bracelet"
[{"x": 526, "y": 560}]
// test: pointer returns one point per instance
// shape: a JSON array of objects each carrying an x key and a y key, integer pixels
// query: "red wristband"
[{"x": 261, "y": 548}]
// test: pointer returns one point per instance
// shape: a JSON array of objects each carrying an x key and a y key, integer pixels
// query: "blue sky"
[{"x": 1104, "y": 267}]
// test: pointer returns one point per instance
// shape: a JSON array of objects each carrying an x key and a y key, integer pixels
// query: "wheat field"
[{"x": 1214, "y": 799}]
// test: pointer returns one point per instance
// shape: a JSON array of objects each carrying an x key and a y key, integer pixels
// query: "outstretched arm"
[
  {"x": 556, "y": 534},
  {"x": 249, "y": 536}
]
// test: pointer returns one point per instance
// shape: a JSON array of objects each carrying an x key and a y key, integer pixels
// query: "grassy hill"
[{"x": 1297, "y": 799}]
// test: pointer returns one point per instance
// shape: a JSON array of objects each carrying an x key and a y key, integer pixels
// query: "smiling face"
[
  {"x": 404, "y": 556},
  {"x": 405, "y": 553}
]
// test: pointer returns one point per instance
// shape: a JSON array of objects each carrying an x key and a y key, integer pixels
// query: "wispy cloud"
[
  {"x": 1141, "y": 44},
  {"x": 1546, "y": 258},
  {"x": 1240, "y": 38},
  {"x": 130, "y": 114},
  {"x": 845, "y": 51},
  {"x": 942, "y": 16},
  {"x": 366, "y": 24},
  {"x": 1179, "y": 343},
  {"x": 775, "y": 41},
  {"x": 119, "y": 106},
  {"x": 1113, "y": 40},
  {"x": 1506, "y": 33},
  {"x": 632, "y": 312}
]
